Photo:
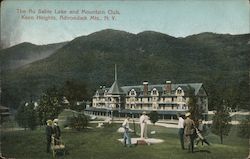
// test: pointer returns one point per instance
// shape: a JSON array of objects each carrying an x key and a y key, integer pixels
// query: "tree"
[
  {"x": 50, "y": 105},
  {"x": 78, "y": 122},
  {"x": 221, "y": 125},
  {"x": 153, "y": 116},
  {"x": 244, "y": 128},
  {"x": 244, "y": 95},
  {"x": 26, "y": 116},
  {"x": 74, "y": 92},
  {"x": 194, "y": 108}
]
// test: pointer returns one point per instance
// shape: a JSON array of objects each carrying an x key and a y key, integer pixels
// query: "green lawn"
[{"x": 102, "y": 143}]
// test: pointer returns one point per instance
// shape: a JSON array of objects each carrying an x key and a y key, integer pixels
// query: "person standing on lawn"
[
  {"x": 181, "y": 130},
  {"x": 57, "y": 131},
  {"x": 126, "y": 136},
  {"x": 143, "y": 123},
  {"x": 49, "y": 133},
  {"x": 189, "y": 131}
]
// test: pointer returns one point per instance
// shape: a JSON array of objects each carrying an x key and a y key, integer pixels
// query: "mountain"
[
  {"x": 217, "y": 60},
  {"x": 26, "y": 53}
]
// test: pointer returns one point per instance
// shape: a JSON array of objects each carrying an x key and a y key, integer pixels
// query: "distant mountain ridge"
[
  {"x": 26, "y": 53},
  {"x": 212, "y": 59}
]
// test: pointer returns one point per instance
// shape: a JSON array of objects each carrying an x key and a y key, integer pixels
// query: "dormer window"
[
  {"x": 179, "y": 90},
  {"x": 132, "y": 92},
  {"x": 105, "y": 92},
  {"x": 97, "y": 93},
  {"x": 154, "y": 91}
]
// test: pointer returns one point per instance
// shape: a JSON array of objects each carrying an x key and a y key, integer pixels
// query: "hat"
[
  {"x": 55, "y": 120},
  {"x": 144, "y": 112},
  {"x": 187, "y": 114},
  {"x": 49, "y": 122}
]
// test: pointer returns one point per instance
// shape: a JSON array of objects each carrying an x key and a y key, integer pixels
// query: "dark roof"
[
  {"x": 161, "y": 87},
  {"x": 115, "y": 89}
]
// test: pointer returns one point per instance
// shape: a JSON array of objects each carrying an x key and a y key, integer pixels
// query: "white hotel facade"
[{"x": 167, "y": 99}]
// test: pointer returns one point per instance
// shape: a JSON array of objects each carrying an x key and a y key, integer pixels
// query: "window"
[
  {"x": 179, "y": 91},
  {"x": 105, "y": 92},
  {"x": 154, "y": 91},
  {"x": 132, "y": 92}
]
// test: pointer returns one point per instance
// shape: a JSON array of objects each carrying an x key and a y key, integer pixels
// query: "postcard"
[{"x": 125, "y": 79}]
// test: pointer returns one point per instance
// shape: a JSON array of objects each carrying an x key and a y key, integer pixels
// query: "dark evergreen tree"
[
  {"x": 74, "y": 92},
  {"x": 194, "y": 107},
  {"x": 244, "y": 94},
  {"x": 153, "y": 116},
  {"x": 26, "y": 116}
]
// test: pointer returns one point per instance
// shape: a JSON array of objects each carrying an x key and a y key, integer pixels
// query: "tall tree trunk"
[{"x": 221, "y": 137}]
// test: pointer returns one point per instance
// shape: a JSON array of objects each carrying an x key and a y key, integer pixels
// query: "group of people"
[
  {"x": 52, "y": 130},
  {"x": 189, "y": 130},
  {"x": 143, "y": 124}
]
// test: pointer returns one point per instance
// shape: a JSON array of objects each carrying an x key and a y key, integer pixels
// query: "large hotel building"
[{"x": 167, "y": 99}]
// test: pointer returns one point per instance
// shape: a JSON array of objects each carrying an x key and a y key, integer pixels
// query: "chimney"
[
  {"x": 168, "y": 87},
  {"x": 145, "y": 88}
]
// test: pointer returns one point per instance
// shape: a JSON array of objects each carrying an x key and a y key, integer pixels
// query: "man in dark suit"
[{"x": 49, "y": 132}]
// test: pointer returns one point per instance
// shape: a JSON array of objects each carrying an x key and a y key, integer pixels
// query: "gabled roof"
[
  {"x": 160, "y": 87},
  {"x": 115, "y": 89},
  {"x": 195, "y": 86}
]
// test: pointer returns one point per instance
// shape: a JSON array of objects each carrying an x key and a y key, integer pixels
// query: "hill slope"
[
  {"x": 214, "y": 59},
  {"x": 25, "y": 53}
]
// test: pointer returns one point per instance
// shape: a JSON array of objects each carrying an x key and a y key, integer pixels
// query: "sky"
[{"x": 20, "y": 20}]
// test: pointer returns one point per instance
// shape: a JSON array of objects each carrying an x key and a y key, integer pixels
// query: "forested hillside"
[{"x": 219, "y": 61}]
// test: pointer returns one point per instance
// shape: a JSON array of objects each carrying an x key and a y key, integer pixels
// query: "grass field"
[{"x": 102, "y": 143}]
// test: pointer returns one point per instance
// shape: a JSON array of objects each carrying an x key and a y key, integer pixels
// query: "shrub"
[
  {"x": 78, "y": 122},
  {"x": 154, "y": 116}
]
